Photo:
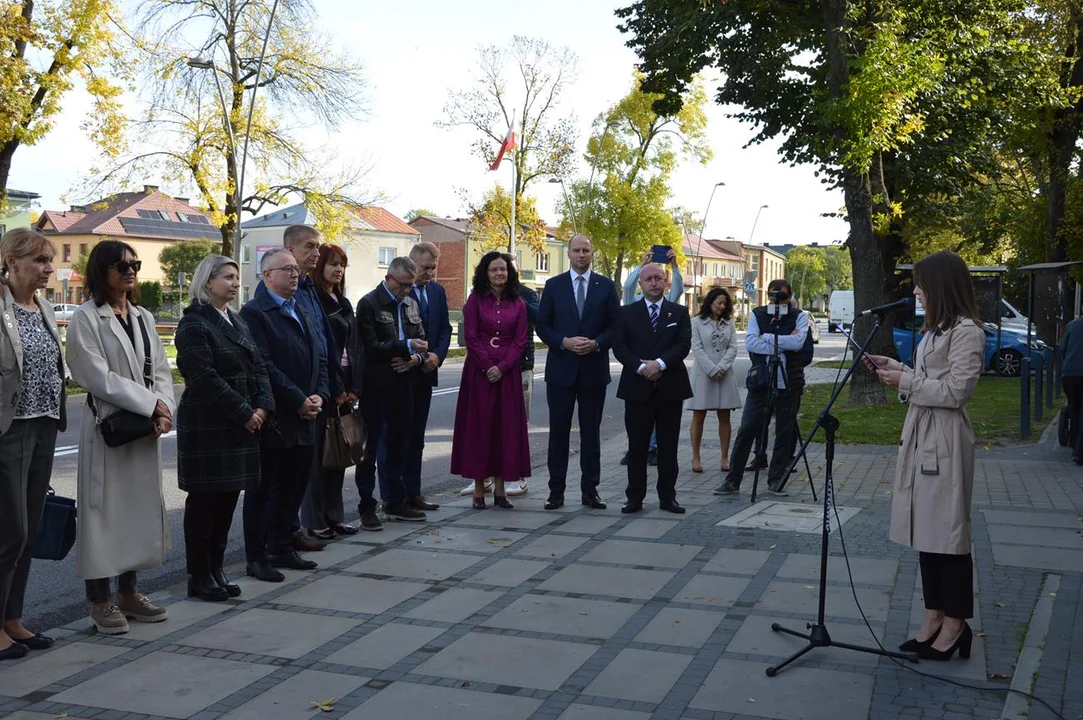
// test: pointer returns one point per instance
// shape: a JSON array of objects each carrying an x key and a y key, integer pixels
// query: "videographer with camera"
[{"x": 777, "y": 333}]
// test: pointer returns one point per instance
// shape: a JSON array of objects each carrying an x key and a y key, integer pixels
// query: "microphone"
[{"x": 907, "y": 302}]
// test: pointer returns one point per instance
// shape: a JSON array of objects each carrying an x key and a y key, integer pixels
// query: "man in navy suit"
[
  {"x": 578, "y": 312},
  {"x": 294, "y": 356},
  {"x": 652, "y": 341},
  {"x": 432, "y": 302}
]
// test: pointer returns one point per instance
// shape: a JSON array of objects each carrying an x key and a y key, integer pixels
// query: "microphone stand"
[{"x": 817, "y": 635}]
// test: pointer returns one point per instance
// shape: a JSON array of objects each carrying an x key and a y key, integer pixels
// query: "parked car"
[
  {"x": 814, "y": 324},
  {"x": 1008, "y": 359},
  {"x": 64, "y": 311}
]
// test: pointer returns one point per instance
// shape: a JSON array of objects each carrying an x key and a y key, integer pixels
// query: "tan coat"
[
  {"x": 714, "y": 348},
  {"x": 122, "y": 522},
  {"x": 11, "y": 357},
  {"x": 934, "y": 474}
]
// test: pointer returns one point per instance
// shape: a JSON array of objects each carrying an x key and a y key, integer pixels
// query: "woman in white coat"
[
  {"x": 934, "y": 474},
  {"x": 114, "y": 352},
  {"x": 714, "y": 348}
]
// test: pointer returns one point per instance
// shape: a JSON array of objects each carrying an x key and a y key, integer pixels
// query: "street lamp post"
[
  {"x": 699, "y": 237},
  {"x": 201, "y": 63},
  {"x": 567, "y": 202},
  {"x": 754, "y": 223}
]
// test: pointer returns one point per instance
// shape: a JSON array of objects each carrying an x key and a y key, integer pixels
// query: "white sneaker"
[
  {"x": 516, "y": 489},
  {"x": 469, "y": 489}
]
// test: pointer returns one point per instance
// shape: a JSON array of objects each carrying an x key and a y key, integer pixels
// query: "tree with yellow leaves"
[
  {"x": 201, "y": 117},
  {"x": 53, "y": 43}
]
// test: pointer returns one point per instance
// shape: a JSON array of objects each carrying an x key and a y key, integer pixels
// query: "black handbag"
[
  {"x": 124, "y": 426},
  {"x": 758, "y": 378},
  {"x": 56, "y": 533}
]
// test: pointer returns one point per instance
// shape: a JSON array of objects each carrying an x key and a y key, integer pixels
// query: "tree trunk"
[
  {"x": 7, "y": 152},
  {"x": 1064, "y": 135}
]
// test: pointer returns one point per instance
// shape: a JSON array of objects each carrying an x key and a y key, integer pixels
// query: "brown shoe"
[
  {"x": 303, "y": 543},
  {"x": 108, "y": 619},
  {"x": 137, "y": 607},
  {"x": 420, "y": 503}
]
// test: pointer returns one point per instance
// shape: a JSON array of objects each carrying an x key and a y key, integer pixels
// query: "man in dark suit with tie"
[
  {"x": 652, "y": 341},
  {"x": 297, "y": 364},
  {"x": 432, "y": 302},
  {"x": 576, "y": 317}
]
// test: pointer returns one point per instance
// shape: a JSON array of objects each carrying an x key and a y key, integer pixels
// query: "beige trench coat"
[
  {"x": 122, "y": 521},
  {"x": 934, "y": 474},
  {"x": 714, "y": 348}
]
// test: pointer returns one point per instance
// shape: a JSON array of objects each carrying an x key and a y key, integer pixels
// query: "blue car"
[{"x": 1009, "y": 358}]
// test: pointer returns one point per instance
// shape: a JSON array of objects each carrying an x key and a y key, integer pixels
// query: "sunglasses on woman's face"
[{"x": 124, "y": 266}]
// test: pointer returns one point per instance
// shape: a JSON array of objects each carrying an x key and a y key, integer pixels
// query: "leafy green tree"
[
  {"x": 79, "y": 263},
  {"x": 490, "y": 221},
  {"x": 806, "y": 268},
  {"x": 151, "y": 296},
  {"x": 892, "y": 101},
  {"x": 838, "y": 272},
  {"x": 184, "y": 256},
  {"x": 418, "y": 212},
  {"x": 50, "y": 43},
  {"x": 634, "y": 151}
]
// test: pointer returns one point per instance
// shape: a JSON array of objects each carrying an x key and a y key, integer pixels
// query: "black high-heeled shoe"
[
  {"x": 913, "y": 644},
  {"x": 962, "y": 644},
  {"x": 502, "y": 502},
  {"x": 479, "y": 503},
  {"x": 205, "y": 588}
]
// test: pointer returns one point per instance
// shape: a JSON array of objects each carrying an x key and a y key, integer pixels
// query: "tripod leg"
[
  {"x": 804, "y": 457},
  {"x": 912, "y": 657},
  {"x": 773, "y": 670}
]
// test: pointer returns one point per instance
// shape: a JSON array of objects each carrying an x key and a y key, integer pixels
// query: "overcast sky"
[{"x": 415, "y": 52}]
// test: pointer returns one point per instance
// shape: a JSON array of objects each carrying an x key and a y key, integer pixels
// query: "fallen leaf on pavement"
[
  {"x": 466, "y": 683},
  {"x": 1001, "y": 605},
  {"x": 772, "y": 547},
  {"x": 324, "y": 705},
  {"x": 998, "y": 676}
]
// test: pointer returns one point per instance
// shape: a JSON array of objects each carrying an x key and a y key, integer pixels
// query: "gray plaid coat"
[{"x": 224, "y": 383}]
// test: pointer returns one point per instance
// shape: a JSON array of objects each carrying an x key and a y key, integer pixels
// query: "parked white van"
[{"x": 841, "y": 310}]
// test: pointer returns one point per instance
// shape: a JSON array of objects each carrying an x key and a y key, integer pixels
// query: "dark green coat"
[{"x": 224, "y": 383}]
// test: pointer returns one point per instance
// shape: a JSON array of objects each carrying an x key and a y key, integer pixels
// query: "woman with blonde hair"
[
  {"x": 227, "y": 398},
  {"x": 32, "y": 377}
]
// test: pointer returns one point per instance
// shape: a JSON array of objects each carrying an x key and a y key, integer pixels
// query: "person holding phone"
[{"x": 934, "y": 473}]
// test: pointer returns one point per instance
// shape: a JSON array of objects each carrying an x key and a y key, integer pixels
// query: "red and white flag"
[{"x": 505, "y": 147}]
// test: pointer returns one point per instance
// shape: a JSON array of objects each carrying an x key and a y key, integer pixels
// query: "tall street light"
[
  {"x": 612, "y": 124},
  {"x": 754, "y": 223},
  {"x": 201, "y": 63},
  {"x": 699, "y": 236},
  {"x": 567, "y": 202}
]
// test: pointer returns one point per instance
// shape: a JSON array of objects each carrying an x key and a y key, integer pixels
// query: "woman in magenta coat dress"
[{"x": 490, "y": 420}]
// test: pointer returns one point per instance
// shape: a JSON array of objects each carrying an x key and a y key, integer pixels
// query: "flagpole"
[{"x": 514, "y": 195}]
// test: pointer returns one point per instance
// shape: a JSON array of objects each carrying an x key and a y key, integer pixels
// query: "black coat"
[
  {"x": 378, "y": 325},
  {"x": 343, "y": 324},
  {"x": 634, "y": 341},
  {"x": 225, "y": 382},
  {"x": 295, "y": 362}
]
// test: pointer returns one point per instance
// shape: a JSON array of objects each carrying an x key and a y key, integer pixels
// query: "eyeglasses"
[
  {"x": 289, "y": 269},
  {"x": 405, "y": 283},
  {"x": 124, "y": 266}
]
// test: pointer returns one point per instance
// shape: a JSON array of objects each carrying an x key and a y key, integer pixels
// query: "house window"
[
  {"x": 82, "y": 249},
  {"x": 518, "y": 258},
  {"x": 246, "y": 254},
  {"x": 67, "y": 252},
  {"x": 755, "y": 262},
  {"x": 541, "y": 263},
  {"x": 384, "y": 256}
]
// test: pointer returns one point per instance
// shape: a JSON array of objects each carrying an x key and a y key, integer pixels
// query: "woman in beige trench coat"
[
  {"x": 122, "y": 524},
  {"x": 934, "y": 474}
]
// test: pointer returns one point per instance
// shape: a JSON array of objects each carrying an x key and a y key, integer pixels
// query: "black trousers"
[
  {"x": 97, "y": 590},
  {"x": 26, "y": 463},
  {"x": 562, "y": 402},
  {"x": 322, "y": 505},
  {"x": 207, "y": 519},
  {"x": 421, "y": 398},
  {"x": 272, "y": 502},
  {"x": 659, "y": 414},
  {"x": 947, "y": 582},
  {"x": 1073, "y": 389},
  {"x": 785, "y": 407},
  {"x": 386, "y": 412}
]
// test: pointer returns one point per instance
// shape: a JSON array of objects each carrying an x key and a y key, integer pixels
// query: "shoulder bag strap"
[{"x": 146, "y": 353}]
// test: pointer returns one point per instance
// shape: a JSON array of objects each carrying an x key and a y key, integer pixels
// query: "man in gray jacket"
[{"x": 1071, "y": 379}]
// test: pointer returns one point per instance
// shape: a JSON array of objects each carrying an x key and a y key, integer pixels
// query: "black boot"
[
  {"x": 232, "y": 589},
  {"x": 205, "y": 588}
]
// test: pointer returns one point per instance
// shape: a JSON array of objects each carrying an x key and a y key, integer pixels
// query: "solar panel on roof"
[{"x": 166, "y": 228}]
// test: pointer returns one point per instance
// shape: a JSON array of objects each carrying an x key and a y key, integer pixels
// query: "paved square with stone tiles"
[{"x": 593, "y": 615}]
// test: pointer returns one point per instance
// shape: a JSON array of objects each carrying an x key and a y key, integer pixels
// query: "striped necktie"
[{"x": 654, "y": 317}]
